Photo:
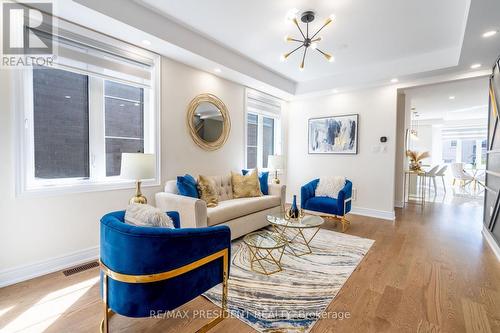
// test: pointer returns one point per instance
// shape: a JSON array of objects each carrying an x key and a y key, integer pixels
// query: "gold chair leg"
[
  {"x": 345, "y": 223},
  {"x": 224, "y": 313},
  {"x": 105, "y": 320}
]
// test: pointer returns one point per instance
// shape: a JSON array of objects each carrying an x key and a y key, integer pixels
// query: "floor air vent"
[{"x": 81, "y": 268}]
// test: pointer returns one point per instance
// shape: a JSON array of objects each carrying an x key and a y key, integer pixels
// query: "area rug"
[{"x": 294, "y": 299}]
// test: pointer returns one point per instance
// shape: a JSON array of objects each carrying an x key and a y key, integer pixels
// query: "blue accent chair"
[
  {"x": 145, "y": 270},
  {"x": 326, "y": 206}
]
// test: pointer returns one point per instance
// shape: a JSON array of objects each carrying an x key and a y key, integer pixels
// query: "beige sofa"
[{"x": 241, "y": 215}]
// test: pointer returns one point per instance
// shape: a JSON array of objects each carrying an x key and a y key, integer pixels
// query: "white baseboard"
[
  {"x": 492, "y": 243},
  {"x": 30, "y": 271},
  {"x": 379, "y": 214},
  {"x": 399, "y": 204}
]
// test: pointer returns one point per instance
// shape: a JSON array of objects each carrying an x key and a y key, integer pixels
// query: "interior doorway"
[{"x": 447, "y": 124}]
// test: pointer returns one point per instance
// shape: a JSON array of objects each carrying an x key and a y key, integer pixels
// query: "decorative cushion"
[
  {"x": 263, "y": 180},
  {"x": 246, "y": 186},
  {"x": 233, "y": 209},
  {"x": 208, "y": 190},
  {"x": 187, "y": 186},
  {"x": 330, "y": 187},
  {"x": 147, "y": 216}
]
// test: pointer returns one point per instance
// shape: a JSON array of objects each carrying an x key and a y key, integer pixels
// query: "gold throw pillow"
[
  {"x": 208, "y": 191},
  {"x": 246, "y": 186}
]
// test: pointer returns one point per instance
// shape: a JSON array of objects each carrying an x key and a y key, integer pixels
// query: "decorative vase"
[
  {"x": 415, "y": 166},
  {"x": 293, "y": 212}
]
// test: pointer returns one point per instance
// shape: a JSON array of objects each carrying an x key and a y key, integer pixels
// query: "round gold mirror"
[{"x": 208, "y": 121}]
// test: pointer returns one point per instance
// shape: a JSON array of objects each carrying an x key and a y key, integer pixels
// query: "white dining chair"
[
  {"x": 431, "y": 174},
  {"x": 459, "y": 174},
  {"x": 441, "y": 173}
]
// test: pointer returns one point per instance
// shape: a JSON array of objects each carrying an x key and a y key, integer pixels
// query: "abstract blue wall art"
[{"x": 334, "y": 135}]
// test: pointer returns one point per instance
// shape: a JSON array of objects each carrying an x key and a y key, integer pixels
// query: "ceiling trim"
[{"x": 158, "y": 26}]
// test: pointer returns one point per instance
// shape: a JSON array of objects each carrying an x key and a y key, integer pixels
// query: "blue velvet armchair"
[
  {"x": 327, "y": 206},
  {"x": 145, "y": 270}
]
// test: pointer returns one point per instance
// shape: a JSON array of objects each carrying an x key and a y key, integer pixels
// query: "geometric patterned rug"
[{"x": 294, "y": 299}]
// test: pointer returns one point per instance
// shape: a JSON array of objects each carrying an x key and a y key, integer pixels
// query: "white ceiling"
[
  {"x": 373, "y": 41},
  {"x": 390, "y": 36},
  {"x": 433, "y": 101}
]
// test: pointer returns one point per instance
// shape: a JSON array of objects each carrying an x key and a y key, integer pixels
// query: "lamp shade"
[
  {"x": 275, "y": 162},
  {"x": 138, "y": 166}
]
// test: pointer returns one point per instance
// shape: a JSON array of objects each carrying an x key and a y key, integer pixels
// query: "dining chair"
[
  {"x": 441, "y": 173},
  {"x": 459, "y": 174},
  {"x": 431, "y": 174}
]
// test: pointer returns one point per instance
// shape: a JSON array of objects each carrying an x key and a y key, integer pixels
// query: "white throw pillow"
[
  {"x": 330, "y": 186},
  {"x": 147, "y": 216}
]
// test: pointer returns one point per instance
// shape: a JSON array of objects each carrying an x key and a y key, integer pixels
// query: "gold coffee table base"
[
  {"x": 261, "y": 246},
  {"x": 283, "y": 227},
  {"x": 262, "y": 257},
  {"x": 299, "y": 236}
]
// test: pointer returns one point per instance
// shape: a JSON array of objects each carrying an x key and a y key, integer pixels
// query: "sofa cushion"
[
  {"x": 323, "y": 204},
  {"x": 263, "y": 180},
  {"x": 186, "y": 186},
  {"x": 208, "y": 191},
  {"x": 231, "y": 209},
  {"x": 246, "y": 186}
]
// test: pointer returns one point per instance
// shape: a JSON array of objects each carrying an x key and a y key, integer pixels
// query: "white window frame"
[
  {"x": 260, "y": 132},
  {"x": 22, "y": 97}
]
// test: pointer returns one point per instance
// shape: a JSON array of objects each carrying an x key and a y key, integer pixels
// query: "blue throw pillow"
[
  {"x": 187, "y": 186},
  {"x": 263, "y": 177}
]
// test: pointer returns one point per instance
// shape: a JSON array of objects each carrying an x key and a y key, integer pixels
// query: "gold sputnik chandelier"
[{"x": 307, "y": 41}]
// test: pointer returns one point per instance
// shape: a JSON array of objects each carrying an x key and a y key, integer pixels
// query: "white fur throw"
[
  {"x": 330, "y": 186},
  {"x": 147, "y": 216}
]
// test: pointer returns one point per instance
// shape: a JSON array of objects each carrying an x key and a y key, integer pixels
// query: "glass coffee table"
[
  {"x": 292, "y": 231},
  {"x": 266, "y": 250}
]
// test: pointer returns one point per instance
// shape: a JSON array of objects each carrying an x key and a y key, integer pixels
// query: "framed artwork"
[{"x": 333, "y": 135}]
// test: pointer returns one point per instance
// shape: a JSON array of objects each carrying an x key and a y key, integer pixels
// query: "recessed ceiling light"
[
  {"x": 490, "y": 33},
  {"x": 67, "y": 96},
  {"x": 394, "y": 80},
  {"x": 451, "y": 97},
  {"x": 122, "y": 105},
  {"x": 146, "y": 42},
  {"x": 335, "y": 91},
  {"x": 474, "y": 66},
  {"x": 217, "y": 70}
]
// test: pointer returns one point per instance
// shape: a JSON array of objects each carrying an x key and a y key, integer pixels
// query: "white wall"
[
  {"x": 42, "y": 229},
  {"x": 371, "y": 172},
  {"x": 180, "y": 84}
]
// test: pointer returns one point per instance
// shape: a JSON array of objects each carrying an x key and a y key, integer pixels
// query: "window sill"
[{"x": 84, "y": 187}]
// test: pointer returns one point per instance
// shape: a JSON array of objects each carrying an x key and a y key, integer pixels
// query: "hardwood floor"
[{"x": 429, "y": 271}]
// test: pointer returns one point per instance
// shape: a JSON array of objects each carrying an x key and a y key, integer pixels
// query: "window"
[
  {"x": 464, "y": 144},
  {"x": 83, "y": 112},
  {"x": 124, "y": 115},
  {"x": 262, "y": 129},
  {"x": 61, "y": 124}
]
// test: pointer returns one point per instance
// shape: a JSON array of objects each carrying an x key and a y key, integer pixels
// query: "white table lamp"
[
  {"x": 138, "y": 166},
  {"x": 275, "y": 162}
]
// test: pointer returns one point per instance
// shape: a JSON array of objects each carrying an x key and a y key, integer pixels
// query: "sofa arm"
[
  {"x": 279, "y": 191},
  {"x": 192, "y": 211}
]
